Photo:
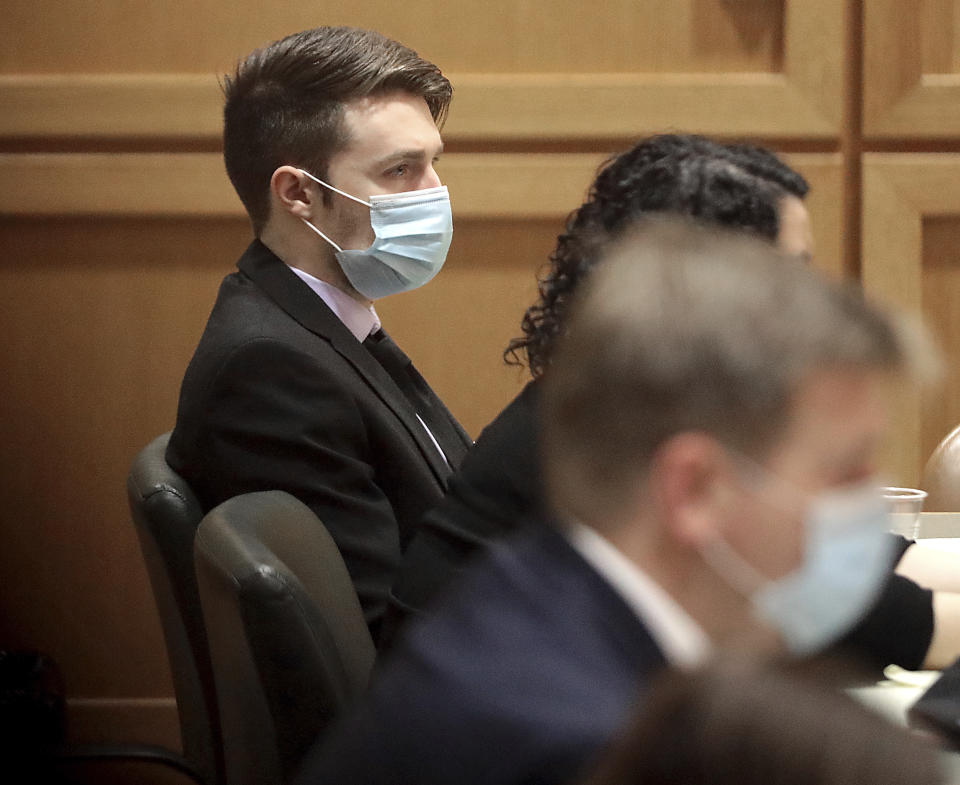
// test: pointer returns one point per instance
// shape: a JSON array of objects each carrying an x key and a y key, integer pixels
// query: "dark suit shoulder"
[
  {"x": 243, "y": 311},
  {"x": 494, "y": 492},
  {"x": 533, "y": 656},
  {"x": 498, "y": 484},
  {"x": 507, "y": 458},
  {"x": 280, "y": 395}
]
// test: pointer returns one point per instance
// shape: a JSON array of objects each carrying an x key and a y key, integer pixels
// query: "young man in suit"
[
  {"x": 330, "y": 140},
  {"x": 709, "y": 422}
]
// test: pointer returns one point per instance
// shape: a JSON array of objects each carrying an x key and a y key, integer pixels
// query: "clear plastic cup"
[{"x": 904, "y": 506}]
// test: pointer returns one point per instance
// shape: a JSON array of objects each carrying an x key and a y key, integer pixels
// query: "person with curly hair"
[
  {"x": 498, "y": 489},
  {"x": 737, "y": 186}
]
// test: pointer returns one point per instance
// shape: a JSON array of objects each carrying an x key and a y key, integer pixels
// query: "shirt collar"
[
  {"x": 682, "y": 641},
  {"x": 361, "y": 320}
]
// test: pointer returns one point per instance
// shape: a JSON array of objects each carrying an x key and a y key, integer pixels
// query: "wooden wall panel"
[
  {"x": 99, "y": 319},
  {"x": 543, "y": 69},
  {"x": 112, "y": 259},
  {"x": 911, "y": 235},
  {"x": 527, "y": 185},
  {"x": 940, "y": 272},
  {"x": 482, "y": 185},
  {"x": 911, "y": 69},
  {"x": 500, "y": 36}
]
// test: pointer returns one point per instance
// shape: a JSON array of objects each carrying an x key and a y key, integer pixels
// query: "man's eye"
[{"x": 400, "y": 171}]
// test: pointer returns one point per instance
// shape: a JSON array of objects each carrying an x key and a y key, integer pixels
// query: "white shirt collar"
[
  {"x": 359, "y": 319},
  {"x": 682, "y": 641}
]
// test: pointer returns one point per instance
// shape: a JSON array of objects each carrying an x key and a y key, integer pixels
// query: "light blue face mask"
[
  {"x": 412, "y": 234},
  {"x": 848, "y": 557}
]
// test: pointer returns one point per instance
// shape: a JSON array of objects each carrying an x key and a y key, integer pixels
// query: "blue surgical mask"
[
  {"x": 412, "y": 234},
  {"x": 848, "y": 557}
]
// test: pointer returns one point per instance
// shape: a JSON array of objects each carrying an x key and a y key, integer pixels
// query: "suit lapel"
[
  {"x": 282, "y": 286},
  {"x": 622, "y": 627}
]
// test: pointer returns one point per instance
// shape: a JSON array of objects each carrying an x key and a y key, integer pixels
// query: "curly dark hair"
[{"x": 732, "y": 185}]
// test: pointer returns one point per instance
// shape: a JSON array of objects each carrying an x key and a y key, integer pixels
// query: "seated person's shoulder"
[
  {"x": 516, "y": 424},
  {"x": 499, "y": 479},
  {"x": 491, "y": 669}
]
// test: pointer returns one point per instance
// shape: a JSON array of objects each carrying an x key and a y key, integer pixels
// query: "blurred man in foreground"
[{"x": 709, "y": 424}]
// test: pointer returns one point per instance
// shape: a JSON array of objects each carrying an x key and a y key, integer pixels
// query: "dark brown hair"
[
  {"x": 745, "y": 725},
  {"x": 284, "y": 103}
]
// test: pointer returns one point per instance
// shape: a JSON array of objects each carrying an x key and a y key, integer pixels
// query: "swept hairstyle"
[{"x": 284, "y": 103}]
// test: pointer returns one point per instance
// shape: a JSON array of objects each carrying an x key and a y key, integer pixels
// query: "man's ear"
[
  {"x": 291, "y": 190},
  {"x": 689, "y": 479}
]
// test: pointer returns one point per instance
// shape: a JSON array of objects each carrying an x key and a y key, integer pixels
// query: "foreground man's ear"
[{"x": 689, "y": 482}]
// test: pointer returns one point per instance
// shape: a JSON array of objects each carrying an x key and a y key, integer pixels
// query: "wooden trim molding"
[
  {"x": 195, "y": 184},
  {"x": 482, "y": 185},
  {"x": 135, "y": 184},
  {"x": 803, "y": 100},
  {"x": 613, "y": 105},
  {"x": 899, "y": 100},
  {"x": 174, "y": 106}
]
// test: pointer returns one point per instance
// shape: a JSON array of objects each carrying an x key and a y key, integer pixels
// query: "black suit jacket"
[
  {"x": 522, "y": 675},
  {"x": 280, "y": 395},
  {"x": 498, "y": 490}
]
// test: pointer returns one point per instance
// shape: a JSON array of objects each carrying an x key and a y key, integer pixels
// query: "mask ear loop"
[
  {"x": 335, "y": 190},
  {"x": 321, "y": 234}
]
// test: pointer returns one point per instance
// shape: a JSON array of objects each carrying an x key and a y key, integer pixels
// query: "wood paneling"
[
  {"x": 482, "y": 185},
  {"x": 544, "y": 69},
  {"x": 196, "y": 184},
  {"x": 171, "y": 106},
  {"x": 500, "y": 36},
  {"x": 99, "y": 320},
  {"x": 911, "y": 213},
  {"x": 911, "y": 69},
  {"x": 940, "y": 274},
  {"x": 112, "y": 260}
]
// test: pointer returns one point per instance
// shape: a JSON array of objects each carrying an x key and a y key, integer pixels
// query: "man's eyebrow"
[{"x": 417, "y": 154}]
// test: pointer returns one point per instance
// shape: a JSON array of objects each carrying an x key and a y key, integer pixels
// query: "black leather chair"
[
  {"x": 166, "y": 515},
  {"x": 289, "y": 643}
]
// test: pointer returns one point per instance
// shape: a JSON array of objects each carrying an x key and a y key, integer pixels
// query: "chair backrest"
[
  {"x": 289, "y": 643},
  {"x": 166, "y": 515},
  {"x": 941, "y": 476}
]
